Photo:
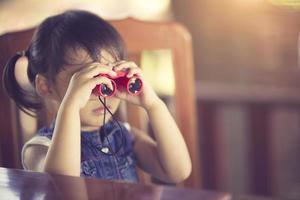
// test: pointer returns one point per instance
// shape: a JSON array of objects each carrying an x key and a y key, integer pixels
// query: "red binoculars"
[{"x": 132, "y": 85}]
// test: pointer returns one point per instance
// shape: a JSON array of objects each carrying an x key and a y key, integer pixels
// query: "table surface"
[{"x": 20, "y": 184}]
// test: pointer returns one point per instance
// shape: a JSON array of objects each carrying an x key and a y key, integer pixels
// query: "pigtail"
[{"x": 25, "y": 100}]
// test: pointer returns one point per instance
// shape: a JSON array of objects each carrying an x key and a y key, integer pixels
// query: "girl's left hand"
[{"x": 147, "y": 98}]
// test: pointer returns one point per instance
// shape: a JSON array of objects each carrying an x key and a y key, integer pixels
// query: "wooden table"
[{"x": 20, "y": 184}]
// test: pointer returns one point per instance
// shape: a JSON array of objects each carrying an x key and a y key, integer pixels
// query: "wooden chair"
[{"x": 138, "y": 36}]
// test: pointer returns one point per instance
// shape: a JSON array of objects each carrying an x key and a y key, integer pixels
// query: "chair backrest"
[{"x": 138, "y": 36}]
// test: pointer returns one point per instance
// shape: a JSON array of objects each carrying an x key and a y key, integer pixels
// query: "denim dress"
[{"x": 111, "y": 157}]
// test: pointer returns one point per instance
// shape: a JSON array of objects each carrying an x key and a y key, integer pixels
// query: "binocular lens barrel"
[
  {"x": 135, "y": 85},
  {"x": 131, "y": 85}
]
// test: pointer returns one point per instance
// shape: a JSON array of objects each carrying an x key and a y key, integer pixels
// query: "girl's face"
[{"x": 92, "y": 114}]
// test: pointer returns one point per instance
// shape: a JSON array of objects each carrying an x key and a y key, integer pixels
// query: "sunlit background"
[
  {"x": 288, "y": 3},
  {"x": 247, "y": 72},
  {"x": 18, "y": 14}
]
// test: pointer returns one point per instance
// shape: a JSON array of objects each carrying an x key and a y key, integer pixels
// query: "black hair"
[{"x": 47, "y": 51}]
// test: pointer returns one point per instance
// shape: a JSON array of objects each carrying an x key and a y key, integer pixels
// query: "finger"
[
  {"x": 134, "y": 71},
  {"x": 125, "y": 66},
  {"x": 101, "y": 80},
  {"x": 118, "y": 63}
]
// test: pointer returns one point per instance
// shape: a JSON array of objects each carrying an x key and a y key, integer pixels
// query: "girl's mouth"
[{"x": 100, "y": 110}]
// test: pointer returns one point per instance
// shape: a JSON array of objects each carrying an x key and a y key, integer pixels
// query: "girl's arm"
[
  {"x": 63, "y": 156},
  {"x": 167, "y": 157}
]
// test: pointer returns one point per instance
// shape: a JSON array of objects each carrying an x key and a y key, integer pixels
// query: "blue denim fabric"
[{"x": 94, "y": 163}]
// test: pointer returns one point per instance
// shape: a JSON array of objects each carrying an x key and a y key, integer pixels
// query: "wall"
[{"x": 247, "y": 74}]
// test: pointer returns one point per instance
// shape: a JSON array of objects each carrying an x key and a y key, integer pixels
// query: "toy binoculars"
[{"x": 132, "y": 85}]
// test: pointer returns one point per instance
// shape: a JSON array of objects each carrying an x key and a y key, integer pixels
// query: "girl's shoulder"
[{"x": 47, "y": 131}]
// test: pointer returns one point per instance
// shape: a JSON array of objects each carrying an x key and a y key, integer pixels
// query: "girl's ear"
[{"x": 44, "y": 87}]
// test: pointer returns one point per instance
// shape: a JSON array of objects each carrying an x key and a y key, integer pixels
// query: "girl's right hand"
[{"x": 83, "y": 82}]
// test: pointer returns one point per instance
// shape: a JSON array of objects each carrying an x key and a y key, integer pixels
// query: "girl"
[{"x": 66, "y": 54}]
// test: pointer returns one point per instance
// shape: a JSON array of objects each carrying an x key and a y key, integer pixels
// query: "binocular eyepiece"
[{"x": 132, "y": 85}]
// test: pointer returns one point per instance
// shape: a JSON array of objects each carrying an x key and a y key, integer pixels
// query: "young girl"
[{"x": 67, "y": 53}]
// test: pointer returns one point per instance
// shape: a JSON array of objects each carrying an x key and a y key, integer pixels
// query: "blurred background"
[{"x": 247, "y": 72}]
